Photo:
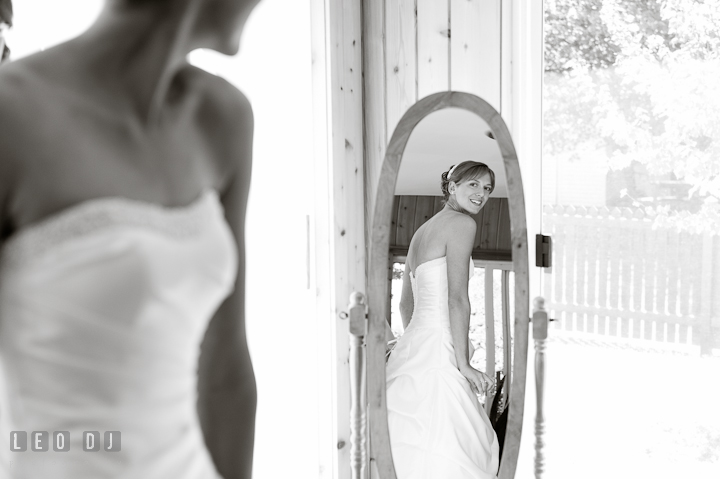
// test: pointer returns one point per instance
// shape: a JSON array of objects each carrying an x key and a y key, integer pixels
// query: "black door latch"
[{"x": 543, "y": 251}]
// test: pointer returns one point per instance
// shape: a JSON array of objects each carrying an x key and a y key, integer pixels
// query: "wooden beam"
[
  {"x": 374, "y": 97},
  {"x": 339, "y": 224},
  {"x": 400, "y": 62}
]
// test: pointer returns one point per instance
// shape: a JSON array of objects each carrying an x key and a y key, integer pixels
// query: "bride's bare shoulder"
[
  {"x": 25, "y": 98},
  {"x": 225, "y": 118},
  {"x": 225, "y": 115},
  {"x": 17, "y": 82},
  {"x": 21, "y": 101},
  {"x": 455, "y": 223},
  {"x": 220, "y": 99}
]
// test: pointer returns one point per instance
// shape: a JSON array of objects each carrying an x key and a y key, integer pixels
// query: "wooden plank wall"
[
  {"x": 413, "y": 48},
  {"x": 338, "y": 223},
  {"x": 492, "y": 240}
]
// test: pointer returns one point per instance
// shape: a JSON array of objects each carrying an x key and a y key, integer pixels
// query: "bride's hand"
[{"x": 480, "y": 383}]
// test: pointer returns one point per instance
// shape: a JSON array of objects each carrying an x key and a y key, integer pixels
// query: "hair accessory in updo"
[{"x": 451, "y": 171}]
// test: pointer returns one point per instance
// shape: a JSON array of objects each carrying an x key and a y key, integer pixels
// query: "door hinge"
[{"x": 543, "y": 251}]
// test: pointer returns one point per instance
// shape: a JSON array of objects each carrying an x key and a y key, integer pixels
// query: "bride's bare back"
[{"x": 431, "y": 240}]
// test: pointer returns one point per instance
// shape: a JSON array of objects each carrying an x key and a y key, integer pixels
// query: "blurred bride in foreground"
[{"x": 124, "y": 179}]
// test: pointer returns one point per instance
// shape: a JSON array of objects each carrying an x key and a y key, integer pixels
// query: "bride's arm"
[
  {"x": 458, "y": 252},
  {"x": 227, "y": 394},
  {"x": 407, "y": 302}
]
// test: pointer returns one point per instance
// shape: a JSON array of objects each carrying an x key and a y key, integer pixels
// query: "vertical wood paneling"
[
  {"x": 348, "y": 182},
  {"x": 433, "y": 46},
  {"x": 493, "y": 231},
  {"x": 475, "y": 48},
  {"x": 507, "y": 53},
  {"x": 504, "y": 223},
  {"x": 393, "y": 225},
  {"x": 480, "y": 220},
  {"x": 340, "y": 225},
  {"x": 376, "y": 129},
  {"x": 406, "y": 220},
  {"x": 423, "y": 210},
  {"x": 466, "y": 47},
  {"x": 491, "y": 217},
  {"x": 400, "y": 60}
]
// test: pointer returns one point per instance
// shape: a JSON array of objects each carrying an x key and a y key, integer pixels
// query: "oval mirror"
[{"x": 436, "y": 133}]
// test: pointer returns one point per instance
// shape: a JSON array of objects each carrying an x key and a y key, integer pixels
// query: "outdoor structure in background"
[
  {"x": 631, "y": 168},
  {"x": 614, "y": 274}
]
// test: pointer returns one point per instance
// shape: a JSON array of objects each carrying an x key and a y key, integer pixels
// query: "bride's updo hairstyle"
[{"x": 467, "y": 170}]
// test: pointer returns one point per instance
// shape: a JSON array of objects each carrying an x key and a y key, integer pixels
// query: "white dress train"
[{"x": 438, "y": 429}]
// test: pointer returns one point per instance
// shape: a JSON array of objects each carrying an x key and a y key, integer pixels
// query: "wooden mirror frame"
[{"x": 380, "y": 453}]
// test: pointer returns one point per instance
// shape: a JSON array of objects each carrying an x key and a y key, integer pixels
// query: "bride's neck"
[
  {"x": 452, "y": 205},
  {"x": 137, "y": 54}
]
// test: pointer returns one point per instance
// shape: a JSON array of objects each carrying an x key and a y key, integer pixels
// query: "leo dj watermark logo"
[{"x": 40, "y": 441}]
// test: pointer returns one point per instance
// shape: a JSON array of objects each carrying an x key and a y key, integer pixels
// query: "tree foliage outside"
[{"x": 637, "y": 81}]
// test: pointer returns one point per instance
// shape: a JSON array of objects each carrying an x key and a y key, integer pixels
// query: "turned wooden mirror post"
[{"x": 380, "y": 453}]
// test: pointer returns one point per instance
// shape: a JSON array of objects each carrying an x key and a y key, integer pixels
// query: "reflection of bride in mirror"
[{"x": 438, "y": 428}]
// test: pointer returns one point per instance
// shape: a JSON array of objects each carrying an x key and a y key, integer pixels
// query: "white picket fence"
[{"x": 614, "y": 274}]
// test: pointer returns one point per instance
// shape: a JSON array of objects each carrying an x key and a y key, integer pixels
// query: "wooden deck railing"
[{"x": 614, "y": 274}]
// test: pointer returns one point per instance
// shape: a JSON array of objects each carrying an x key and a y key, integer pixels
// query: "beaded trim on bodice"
[{"x": 99, "y": 213}]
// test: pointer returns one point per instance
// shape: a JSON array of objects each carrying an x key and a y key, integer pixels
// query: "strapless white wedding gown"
[
  {"x": 438, "y": 429},
  {"x": 103, "y": 307}
]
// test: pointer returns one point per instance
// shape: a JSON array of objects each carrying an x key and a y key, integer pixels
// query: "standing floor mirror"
[{"x": 453, "y": 127}]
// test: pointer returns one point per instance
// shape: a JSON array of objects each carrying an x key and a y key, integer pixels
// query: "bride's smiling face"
[{"x": 471, "y": 195}]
